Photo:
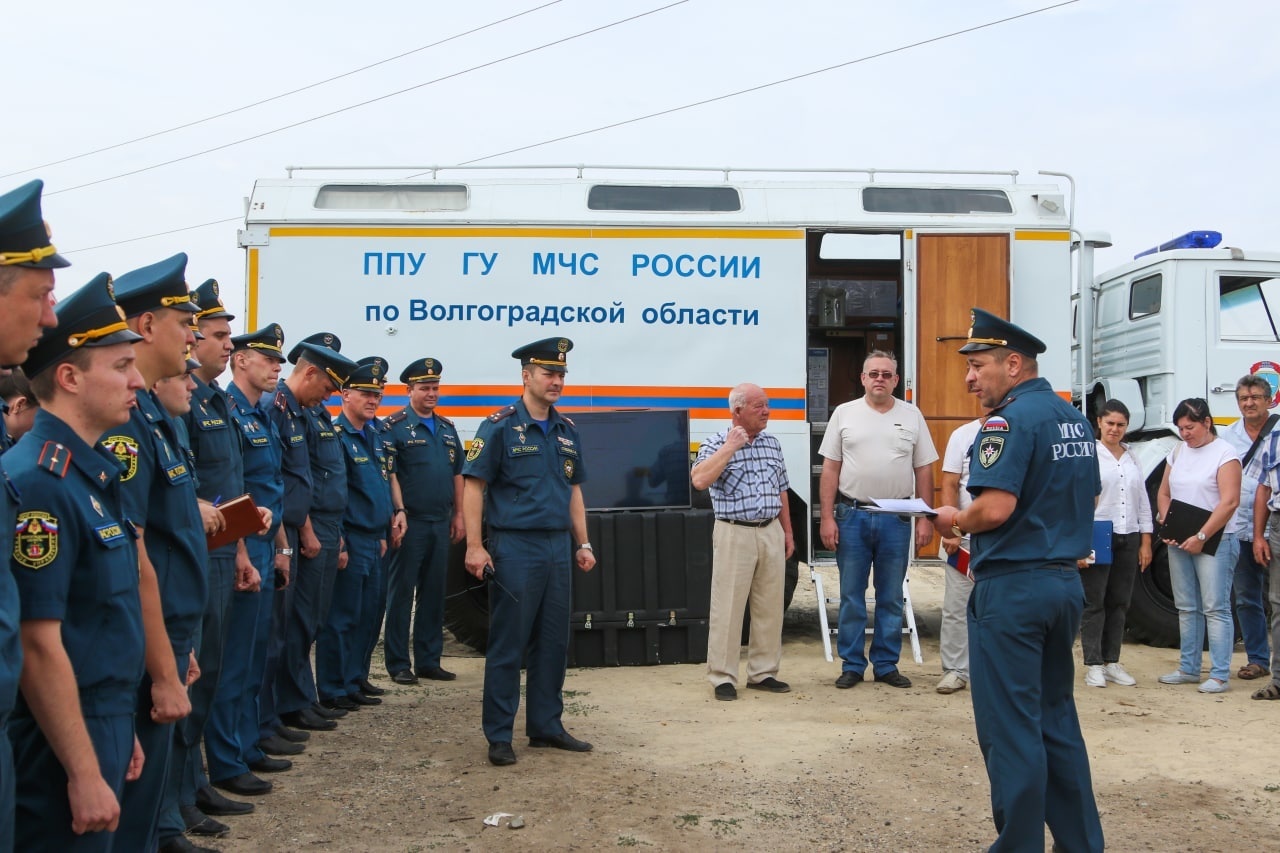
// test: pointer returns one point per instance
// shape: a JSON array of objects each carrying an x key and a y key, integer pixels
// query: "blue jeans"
[
  {"x": 867, "y": 540},
  {"x": 1251, "y": 583},
  {"x": 1202, "y": 593}
]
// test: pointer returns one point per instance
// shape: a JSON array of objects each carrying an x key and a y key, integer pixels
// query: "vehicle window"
[
  {"x": 1247, "y": 306},
  {"x": 676, "y": 199},
  {"x": 392, "y": 197},
  {"x": 934, "y": 200},
  {"x": 1144, "y": 296}
]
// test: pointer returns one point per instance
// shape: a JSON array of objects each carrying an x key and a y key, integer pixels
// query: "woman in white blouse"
[
  {"x": 1107, "y": 586},
  {"x": 1205, "y": 473}
]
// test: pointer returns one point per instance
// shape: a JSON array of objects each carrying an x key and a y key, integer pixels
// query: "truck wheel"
[
  {"x": 1153, "y": 617},
  {"x": 466, "y": 607}
]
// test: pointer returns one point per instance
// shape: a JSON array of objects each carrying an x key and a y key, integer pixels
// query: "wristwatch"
[
  {"x": 586, "y": 546},
  {"x": 1200, "y": 535},
  {"x": 284, "y": 552},
  {"x": 955, "y": 527}
]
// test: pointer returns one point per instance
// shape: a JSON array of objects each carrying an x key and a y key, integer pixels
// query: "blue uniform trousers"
[
  {"x": 372, "y": 609},
  {"x": 1022, "y": 624},
  {"x": 186, "y": 771},
  {"x": 8, "y": 789},
  {"x": 340, "y": 643},
  {"x": 529, "y": 621},
  {"x": 312, "y": 592},
  {"x": 418, "y": 566},
  {"x": 232, "y": 731},
  {"x": 42, "y": 819},
  {"x": 143, "y": 797},
  {"x": 277, "y": 629},
  {"x": 871, "y": 540}
]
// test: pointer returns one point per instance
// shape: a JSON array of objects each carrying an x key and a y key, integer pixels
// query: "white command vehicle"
[
  {"x": 673, "y": 284},
  {"x": 1181, "y": 321}
]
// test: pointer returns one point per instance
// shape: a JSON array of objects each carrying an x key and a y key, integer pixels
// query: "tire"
[
  {"x": 1153, "y": 617},
  {"x": 466, "y": 606}
]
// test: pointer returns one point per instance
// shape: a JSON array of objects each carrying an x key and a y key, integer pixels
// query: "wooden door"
[{"x": 954, "y": 273}]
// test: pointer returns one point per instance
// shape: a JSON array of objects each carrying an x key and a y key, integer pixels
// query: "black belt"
[
  {"x": 841, "y": 499},
  {"x": 741, "y": 523}
]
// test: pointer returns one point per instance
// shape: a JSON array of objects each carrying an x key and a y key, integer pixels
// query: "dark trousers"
[
  {"x": 1107, "y": 589},
  {"x": 276, "y": 630},
  {"x": 1251, "y": 586},
  {"x": 312, "y": 593},
  {"x": 372, "y": 609},
  {"x": 1021, "y": 628},
  {"x": 340, "y": 644},
  {"x": 418, "y": 567},
  {"x": 8, "y": 788},
  {"x": 528, "y": 621},
  {"x": 140, "y": 808},
  {"x": 42, "y": 817}
]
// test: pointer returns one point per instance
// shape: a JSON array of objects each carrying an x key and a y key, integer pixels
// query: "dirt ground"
[{"x": 873, "y": 768}]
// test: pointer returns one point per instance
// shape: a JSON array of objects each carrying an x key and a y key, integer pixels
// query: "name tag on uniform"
[
  {"x": 258, "y": 440},
  {"x": 297, "y": 439},
  {"x": 110, "y": 535},
  {"x": 212, "y": 423},
  {"x": 524, "y": 449},
  {"x": 177, "y": 473},
  {"x": 414, "y": 442}
]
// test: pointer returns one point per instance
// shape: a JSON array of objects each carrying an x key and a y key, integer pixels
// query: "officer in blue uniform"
[
  {"x": 1034, "y": 479},
  {"x": 374, "y": 605},
  {"x": 216, "y": 450},
  {"x": 160, "y": 497},
  {"x": 426, "y": 494},
  {"x": 232, "y": 744},
  {"x": 530, "y": 459},
  {"x": 340, "y": 644},
  {"x": 315, "y": 494},
  {"x": 27, "y": 262},
  {"x": 76, "y": 567}
]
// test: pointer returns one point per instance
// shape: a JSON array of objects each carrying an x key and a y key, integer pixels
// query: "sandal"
[
  {"x": 1271, "y": 691},
  {"x": 1251, "y": 671}
]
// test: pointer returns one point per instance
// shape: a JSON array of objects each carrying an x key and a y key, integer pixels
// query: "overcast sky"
[{"x": 1164, "y": 111}]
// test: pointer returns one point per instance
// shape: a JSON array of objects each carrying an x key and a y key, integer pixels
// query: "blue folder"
[{"x": 1102, "y": 542}]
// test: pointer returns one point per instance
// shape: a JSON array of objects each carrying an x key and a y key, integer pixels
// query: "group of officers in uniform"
[{"x": 139, "y": 620}]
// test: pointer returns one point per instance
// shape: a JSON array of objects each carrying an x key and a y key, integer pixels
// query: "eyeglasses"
[
  {"x": 879, "y": 374},
  {"x": 1244, "y": 398}
]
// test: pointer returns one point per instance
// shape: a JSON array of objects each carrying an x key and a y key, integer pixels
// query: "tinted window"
[
  {"x": 392, "y": 197},
  {"x": 678, "y": 199},
  {"x": 934, "y": 200},
  {"x": 1144, "y": 297}
]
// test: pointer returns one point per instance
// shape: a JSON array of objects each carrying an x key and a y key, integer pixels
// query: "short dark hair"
[
  {"x": 1113, "y": 407},
  {"x": 42, "y": 384},
  {"x": 17, "y": 385},
  {"x": 1197, "y": 409}
]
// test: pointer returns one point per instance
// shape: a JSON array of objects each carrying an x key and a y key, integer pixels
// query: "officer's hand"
[
  {"x": 308, "y": 543},
  {"x": 457, "y": 528},
  {"x": 169, "y": 701},
  {"x": 586, "y": 559},
  {"x": 245, "y": 573},
  {"x": 1261, "y": 551},
  {"x": 829, "y": 532},
  {"x": 135, "y": 762},
  {"x": 924, "y": 532},
  {"x": 212, "y": 519},
  {"x": 343, "y": 559},
  {"x": 477, "y": 558},
  {"x": 382, "y": 547},
  {"x": 94, "y": 806},
  {"x": 943, "y": 521},
  {"x": 193, "y": 670},
  {"x": 736, "y": 439},
  {"x": 399, "y": 524},
  {"x": 282, "y": 571},
  {"x": 265, "y": 515}
]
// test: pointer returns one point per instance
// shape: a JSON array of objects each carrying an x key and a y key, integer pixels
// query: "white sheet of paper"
[{"x": 908, "y": 506}]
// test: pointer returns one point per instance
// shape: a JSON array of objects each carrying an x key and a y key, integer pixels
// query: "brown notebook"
[{"x": 243, "y": 519}]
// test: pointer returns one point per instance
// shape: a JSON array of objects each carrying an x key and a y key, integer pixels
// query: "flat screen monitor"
[{"x": 635, "y": 459}]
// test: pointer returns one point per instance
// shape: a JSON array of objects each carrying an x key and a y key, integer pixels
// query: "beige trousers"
[{"x": 748, "y": 564}]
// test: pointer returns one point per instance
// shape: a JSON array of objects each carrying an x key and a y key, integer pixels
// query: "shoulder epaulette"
[
  {"x": 568, "y": 421},
  {"x": 502, "y": 414},
  {"x": 396, "y": 418},
  {"x": 54, "y": 458},
  {"x": 442, "y": 419},
  {"x": 280, "y": 402}
]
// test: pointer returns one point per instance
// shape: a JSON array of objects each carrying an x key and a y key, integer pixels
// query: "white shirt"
[
  {"x": 878, "y": 451},
  {"x": 956, "y": 459},
  {"x": 1193, "y": 475},
  {"x": 1124, "y": 500}
]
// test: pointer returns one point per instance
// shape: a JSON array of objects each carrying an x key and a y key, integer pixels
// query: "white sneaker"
[
  {"x": 1213, "y": 685},
  {"x": 1095, "y": 676},
  {"x": 951, "y": 682},
  {"x": 1115, "y": 672},
  {"x": 1179, "y": 677}
]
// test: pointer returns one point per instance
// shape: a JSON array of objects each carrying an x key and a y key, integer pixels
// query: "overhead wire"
[
  {"x": 281, "y": 95},
  {"x": 366, "y": 103}
]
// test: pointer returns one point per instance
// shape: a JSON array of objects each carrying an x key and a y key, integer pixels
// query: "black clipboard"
[{"x": 1184, "y": 520}]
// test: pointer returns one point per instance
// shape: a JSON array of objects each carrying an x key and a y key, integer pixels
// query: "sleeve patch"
[
  {"x": 995, "y": 423},
  {"x": 989, "y": 450},
  {"x": 126, "y": 451},
  {"x": 477, "y": 446},
  {"x": 35, "y": 539}
]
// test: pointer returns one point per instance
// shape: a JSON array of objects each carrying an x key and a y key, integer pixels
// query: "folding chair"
[{"x": 908, "y": 615}]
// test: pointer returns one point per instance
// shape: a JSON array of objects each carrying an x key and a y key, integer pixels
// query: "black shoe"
[
  {"x": 893, "y": 678},
  {"x": 267, "y": 764},
  {"x": 276, "y": 745},
  {"x": 339, "y": 703},
  {"x": 848, "y": 679},
  {"x": 180, "y": 844},
  {"x": 435, "y": 673},
  {"x": 293, "y": 735},
  {"x": 246, "y": 785},
  {"x": 198, "y": 823},
  {"x": 368, "y": 689},
  {"x": 308, "y": 720},
  {"x": 359, "y": 699},
  {"x": 327, "y": 713},
  {"x": 726, "y": 692},
  {"x": 771, "y": 684},
  {"x": 564, "y": 741},
  {"x": 501, "y": 754},
  {"x": 404, "y": 676},
  {"x": 211, "y": 802}
]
